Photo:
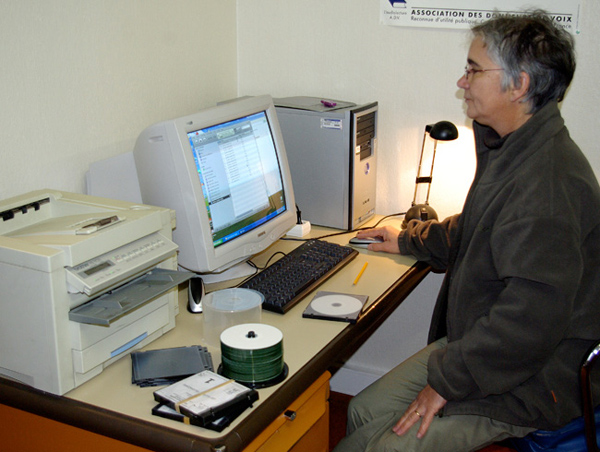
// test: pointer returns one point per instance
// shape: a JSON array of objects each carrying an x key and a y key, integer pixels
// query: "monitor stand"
[{"x": 241, "y": 270}]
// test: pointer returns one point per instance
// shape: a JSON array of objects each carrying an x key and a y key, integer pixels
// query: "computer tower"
[{"x": 332, "y": 152}]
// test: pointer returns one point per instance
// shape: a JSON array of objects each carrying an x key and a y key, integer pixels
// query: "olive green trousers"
[{"x": 374, "y": 412}]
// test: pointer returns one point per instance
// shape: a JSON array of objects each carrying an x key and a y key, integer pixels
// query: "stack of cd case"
[
  {"x": 169, "y": 365},
  {"x": 206, "y": 399}
]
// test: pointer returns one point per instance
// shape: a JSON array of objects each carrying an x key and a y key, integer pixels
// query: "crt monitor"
[{"x": 225, "y": 173}]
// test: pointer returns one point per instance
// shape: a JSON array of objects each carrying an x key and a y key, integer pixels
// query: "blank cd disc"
[
  {"x": 252, "y": 353},
  {"x": 251, "y": 336},
  {"x": 336, "y": 305}
]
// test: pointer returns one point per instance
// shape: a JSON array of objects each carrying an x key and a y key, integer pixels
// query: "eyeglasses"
[{"x": 469, "y": 71}]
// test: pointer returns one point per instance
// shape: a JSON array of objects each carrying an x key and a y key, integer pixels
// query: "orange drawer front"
[{"x": 293, "y": 430}]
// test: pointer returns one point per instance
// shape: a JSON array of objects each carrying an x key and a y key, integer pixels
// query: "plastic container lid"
[{"x": 233, "y": 300}]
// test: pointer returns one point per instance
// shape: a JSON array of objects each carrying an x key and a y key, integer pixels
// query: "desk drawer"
[
  {"x": 308, "y": 410},
  {"x": 316, "y": 439}
]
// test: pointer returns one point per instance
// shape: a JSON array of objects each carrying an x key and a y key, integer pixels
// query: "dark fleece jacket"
[{"x": 520, "y": 303}]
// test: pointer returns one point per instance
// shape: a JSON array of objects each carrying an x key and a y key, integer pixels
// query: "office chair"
[
  {"x": 580, "y": 434},
  {"x": 587, "y": 398}
]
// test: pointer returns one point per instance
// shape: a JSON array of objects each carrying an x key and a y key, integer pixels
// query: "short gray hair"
[{"x": 533, "y": 44}]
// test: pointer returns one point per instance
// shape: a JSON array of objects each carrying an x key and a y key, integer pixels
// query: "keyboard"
[{"x": 288, "y": 280}]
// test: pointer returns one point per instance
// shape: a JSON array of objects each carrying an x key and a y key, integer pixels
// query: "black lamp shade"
[{"x": 443, "y": 131}]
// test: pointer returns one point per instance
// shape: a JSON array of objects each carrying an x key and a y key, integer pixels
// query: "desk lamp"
[{"x": 440, "y": 131}]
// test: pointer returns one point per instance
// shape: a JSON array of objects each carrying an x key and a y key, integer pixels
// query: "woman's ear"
[{"x": 519, "y": 93}]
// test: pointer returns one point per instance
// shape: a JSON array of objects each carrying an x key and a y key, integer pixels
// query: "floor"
[{"x": 338, "y": 405}]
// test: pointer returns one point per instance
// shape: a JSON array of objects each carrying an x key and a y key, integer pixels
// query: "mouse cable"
[{"x": 333, "y": 234}]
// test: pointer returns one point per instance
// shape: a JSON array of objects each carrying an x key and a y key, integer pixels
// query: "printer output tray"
[{"x": 118, "y": 302}]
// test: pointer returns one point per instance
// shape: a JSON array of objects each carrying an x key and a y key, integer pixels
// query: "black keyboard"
[{"x": 288, "y": 280}]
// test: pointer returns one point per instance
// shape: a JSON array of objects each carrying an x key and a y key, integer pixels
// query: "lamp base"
[{"x": 420, "y": 212}]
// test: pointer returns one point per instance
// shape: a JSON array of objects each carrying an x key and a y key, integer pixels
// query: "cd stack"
[{"x": 252, "y": 354}]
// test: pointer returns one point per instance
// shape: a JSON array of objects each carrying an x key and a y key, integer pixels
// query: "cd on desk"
[
  {"x": 335, "y": 306},
  {"x": 252, "y": 354}
]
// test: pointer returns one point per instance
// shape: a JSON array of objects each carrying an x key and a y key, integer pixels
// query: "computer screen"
[
  {"x": 225, "y": 173},
  {"x": 240, "y": 175}
]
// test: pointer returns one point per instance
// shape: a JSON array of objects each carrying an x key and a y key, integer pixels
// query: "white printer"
[{"x": 83, "y": 281}]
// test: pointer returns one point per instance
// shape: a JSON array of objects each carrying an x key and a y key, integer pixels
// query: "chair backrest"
[
  {"x": 587, "y": 397},
  {"x": 579, "y": 435}
]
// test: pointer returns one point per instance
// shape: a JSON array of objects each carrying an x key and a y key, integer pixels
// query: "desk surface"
[{"x": 110, "y": 405}]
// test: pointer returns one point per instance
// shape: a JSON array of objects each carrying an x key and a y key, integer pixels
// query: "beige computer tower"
[{"x": 332, "y": 152}]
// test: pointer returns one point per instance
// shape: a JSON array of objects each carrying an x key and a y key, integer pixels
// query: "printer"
[{"x": 83, "y": 282}]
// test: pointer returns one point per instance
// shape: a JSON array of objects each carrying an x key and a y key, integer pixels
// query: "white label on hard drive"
[{"x": 331, "y": 123}]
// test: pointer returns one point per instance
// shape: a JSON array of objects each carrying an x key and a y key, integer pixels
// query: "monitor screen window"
[{"x": 240, "y": 175}]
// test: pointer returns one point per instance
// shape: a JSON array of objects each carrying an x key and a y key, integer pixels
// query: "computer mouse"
[
  {"x": 196, "y": 292},
  {"x": 364, "y": 241}
]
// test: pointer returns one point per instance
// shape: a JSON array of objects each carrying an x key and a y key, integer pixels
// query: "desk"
[{"x": 109, "y": 405}]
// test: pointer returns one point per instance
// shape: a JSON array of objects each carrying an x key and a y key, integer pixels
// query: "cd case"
[
  {"x": 169, "y": 365},
  {"x": 228, "y": 415},
  {"x": 206, "y": 397},
  {"x": 340, "y": 307}
]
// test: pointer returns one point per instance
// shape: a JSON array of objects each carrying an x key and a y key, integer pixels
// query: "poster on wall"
[{"x": 462, "y": 14}]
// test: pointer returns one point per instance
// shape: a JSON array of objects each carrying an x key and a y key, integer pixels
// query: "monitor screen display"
[
  {"x": 240, "y": 175},
  {"x": 224, "y": 173}
]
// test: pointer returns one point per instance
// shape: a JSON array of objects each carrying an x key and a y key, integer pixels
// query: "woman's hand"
[
  {"x": 423, "y": 409},
  {"x": 388, "y": 234}
]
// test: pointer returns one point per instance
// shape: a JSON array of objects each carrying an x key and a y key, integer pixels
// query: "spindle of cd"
[{"x": 252, "y": 354}]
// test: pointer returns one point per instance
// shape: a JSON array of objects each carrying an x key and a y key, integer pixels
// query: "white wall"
[
  {"x": 338, "y": 49},
  {"x": 81, "y": 79}
]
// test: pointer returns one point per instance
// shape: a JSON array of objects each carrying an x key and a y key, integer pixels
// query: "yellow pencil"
[{"x": 360, "y": 273}]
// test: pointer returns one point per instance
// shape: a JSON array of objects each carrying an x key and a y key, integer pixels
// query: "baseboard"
[{"x": 351, "y": 381}]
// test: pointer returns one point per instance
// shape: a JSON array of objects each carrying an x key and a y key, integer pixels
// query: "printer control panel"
[{"x": 107, "y": 269}]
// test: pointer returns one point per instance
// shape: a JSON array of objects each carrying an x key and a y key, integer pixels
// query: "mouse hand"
[{"x": 389, "y": 236}]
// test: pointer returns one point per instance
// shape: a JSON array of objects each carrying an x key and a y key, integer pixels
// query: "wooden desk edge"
[{"x": 160, "y": 438}]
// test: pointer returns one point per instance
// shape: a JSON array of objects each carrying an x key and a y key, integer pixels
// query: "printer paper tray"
[{"x": 110, "y": 306}]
